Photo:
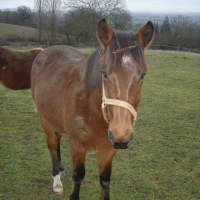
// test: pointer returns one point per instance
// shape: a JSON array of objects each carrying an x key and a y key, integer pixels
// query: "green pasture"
[{"x": 163, "y": 162}]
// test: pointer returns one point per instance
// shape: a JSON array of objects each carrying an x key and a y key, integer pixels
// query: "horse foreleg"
[
  {"x": 104, "y": 161},
  {"x": 78, "y": 153}
]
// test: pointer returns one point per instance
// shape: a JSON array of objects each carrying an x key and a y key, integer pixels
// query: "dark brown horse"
[
  {"x": 68, "y": 89},
  {"x": 15, "y": 68}
]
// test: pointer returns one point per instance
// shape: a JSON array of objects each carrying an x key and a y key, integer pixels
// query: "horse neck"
[
  {"x": 91, "y": 98},
  {"x": 96, "y": 98}
]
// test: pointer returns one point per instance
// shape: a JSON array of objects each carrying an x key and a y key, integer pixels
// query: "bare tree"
[
  {"x": 121, "y": 20},
  {"x": 52, "y": 9},
  {"x": 196, "y": 37},
  {"x": 1, "y": 16},
  {"x": 81, "y": 24},
  {"x": 23, "y": 13},
  {"x": 104, "y": 7},
  {"x": 87, "y": 13},
  {"x": 182, "y": 30},
  {"x": 39, "y": 17},
  {"x": 52, "y": 12},
  {"x": 47, "y": 16},
  {"x": 67, "y": 25},
  {"x": 7, "y": 15}
]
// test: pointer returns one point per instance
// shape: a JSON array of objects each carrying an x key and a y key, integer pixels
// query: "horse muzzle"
[{"x": 119, "y": 145}]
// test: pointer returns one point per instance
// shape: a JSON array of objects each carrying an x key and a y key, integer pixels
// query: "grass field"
[{"x": 163, "y": 162}]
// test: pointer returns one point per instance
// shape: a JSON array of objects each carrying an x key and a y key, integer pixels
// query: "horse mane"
[
  {"x": 122, "y": 42},
  {"x": 93, "y": 76}
]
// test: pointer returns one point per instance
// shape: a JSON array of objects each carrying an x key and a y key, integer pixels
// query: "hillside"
[{"x": 14, "y": 32}]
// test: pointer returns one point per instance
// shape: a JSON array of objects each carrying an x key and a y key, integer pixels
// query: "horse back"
[{"x": 54, "y": 57}]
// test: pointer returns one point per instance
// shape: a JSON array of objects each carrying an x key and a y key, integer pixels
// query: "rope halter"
[{"x": 114, "y": 102}]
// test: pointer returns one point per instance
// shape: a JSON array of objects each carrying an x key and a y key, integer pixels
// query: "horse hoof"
[
  {"x": 58, "y": 189},
  {"x": 57, "y": 184},
  {"x": 62, "y": 174}
]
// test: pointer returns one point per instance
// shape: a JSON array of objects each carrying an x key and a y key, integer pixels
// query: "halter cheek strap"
[{"x": 114, "y": 102}]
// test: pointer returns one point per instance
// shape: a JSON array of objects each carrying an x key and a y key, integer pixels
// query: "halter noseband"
[{"x": 107, "y": 101}]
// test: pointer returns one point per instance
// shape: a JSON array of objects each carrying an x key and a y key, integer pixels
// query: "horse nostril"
[
  {"x": 111, "y": 138},
  {"x": 119, "y": 145},
  {"x": 129, "y": 140}
]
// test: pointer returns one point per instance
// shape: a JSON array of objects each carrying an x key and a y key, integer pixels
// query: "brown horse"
[
  {"x": 15, "y": 68},
  {"x": 68, "y": 88}
]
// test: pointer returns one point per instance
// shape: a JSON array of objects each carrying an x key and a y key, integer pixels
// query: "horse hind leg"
[
  {"x": 60, "y": 167},
  {"x": 53, "y": 140},
  {"x": 57, "y": 184}
]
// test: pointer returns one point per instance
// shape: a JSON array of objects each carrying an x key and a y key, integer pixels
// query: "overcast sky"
[{"x": 158, "y": 6}]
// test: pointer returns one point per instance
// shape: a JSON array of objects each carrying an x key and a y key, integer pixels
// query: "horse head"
[{"x": 123, "y": 67}]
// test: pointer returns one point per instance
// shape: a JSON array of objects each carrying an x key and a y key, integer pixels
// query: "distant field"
[
  {"x": 163, "y": 162},
  {"x": 159, "y": 17},
  {"x": 8, "y": 31}
]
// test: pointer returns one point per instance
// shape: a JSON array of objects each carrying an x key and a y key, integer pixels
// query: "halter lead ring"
[{"x": 114, "y": 102}]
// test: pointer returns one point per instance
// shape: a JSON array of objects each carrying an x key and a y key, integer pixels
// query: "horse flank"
[{"x": 15, "y": 68}]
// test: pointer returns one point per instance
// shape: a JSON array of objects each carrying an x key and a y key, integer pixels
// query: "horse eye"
[
  {"x": 104, "y": 74},
  {"x": 143, "y": 75}
]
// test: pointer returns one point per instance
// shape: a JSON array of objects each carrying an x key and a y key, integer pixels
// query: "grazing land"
[{"x": 163, "y": 162}]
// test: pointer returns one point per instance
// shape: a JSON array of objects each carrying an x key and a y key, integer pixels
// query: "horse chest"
[
  {"x": 80, "y": 125},
  {"x": 92, "y": 135}
]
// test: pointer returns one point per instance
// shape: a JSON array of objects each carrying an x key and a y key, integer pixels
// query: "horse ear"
[
  {"x": 145, "y": 34},
  {"x": 104, "y": 33}
]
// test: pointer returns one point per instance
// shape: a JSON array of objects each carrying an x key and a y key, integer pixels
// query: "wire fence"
[
  {"x": 173, "y": 48},
  {"x": 47, "y": 44},
  {"x": 93, "y": 45}
]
